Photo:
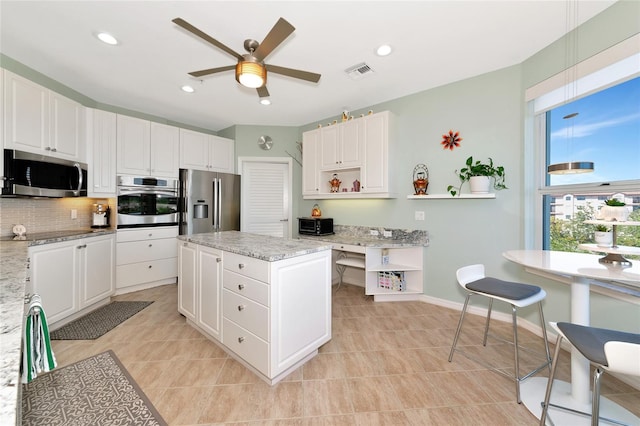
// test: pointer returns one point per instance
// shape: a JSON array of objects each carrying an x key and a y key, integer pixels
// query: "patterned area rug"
[
  {"x": 98, "y": 322},
  {"x": 94, "y": 391}
]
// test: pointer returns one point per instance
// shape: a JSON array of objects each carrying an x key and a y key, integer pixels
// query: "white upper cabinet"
[
  {"x": 341, "y": 145},
  {"x": 134, "y": 143},
  {"x": 101, "y": 136},
  {"x": 375, "y": 170},
  {"x": 200, "y": 151},
  {"x": 41, "y": 121},
  {"x": 146, "y": 148},
  {"x": 165, "y": 150},
  {"x": 356, "y": 152}
]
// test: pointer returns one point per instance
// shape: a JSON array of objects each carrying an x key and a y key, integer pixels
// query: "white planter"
[
  {"x": 479, "y": 184},
  {"x": 603, "y": 239},
  {"x": 611, "y": 213}
]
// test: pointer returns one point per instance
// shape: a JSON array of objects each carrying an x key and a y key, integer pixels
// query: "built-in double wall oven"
[{"x": 147, "y": 201}]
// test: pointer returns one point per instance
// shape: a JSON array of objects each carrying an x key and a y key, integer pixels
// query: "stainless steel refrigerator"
[{"x": 209, "y": 202}]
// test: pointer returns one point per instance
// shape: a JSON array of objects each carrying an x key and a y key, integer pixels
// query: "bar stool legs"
[{"x": 472, "y": 279}]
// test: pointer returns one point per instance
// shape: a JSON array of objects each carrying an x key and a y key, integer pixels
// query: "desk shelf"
[{"x": 405, "y": 260}]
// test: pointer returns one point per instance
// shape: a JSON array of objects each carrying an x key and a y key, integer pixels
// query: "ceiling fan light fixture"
[
  {"x": 251, "y": 74},
  {"x": 188, "y": 89},
  {"x": 265, "y": 101},
  {"x": 570, "y": 168}
]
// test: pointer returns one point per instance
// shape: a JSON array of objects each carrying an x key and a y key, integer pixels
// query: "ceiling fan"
[{"x": 251, "y": 71}]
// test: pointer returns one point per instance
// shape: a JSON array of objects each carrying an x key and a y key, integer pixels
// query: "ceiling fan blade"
[
  {"x": 290, "y": 72},
  {"x": 211, "y": 71},
  {"x": 263, "y": 92},
  {"x": 280, "y": 31},
  {"x": 187, "y": 26}
]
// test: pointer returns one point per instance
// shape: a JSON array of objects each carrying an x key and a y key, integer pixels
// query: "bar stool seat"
[
  {"x": 612, "y": 350},
  {"x": 472, "y": 278}
]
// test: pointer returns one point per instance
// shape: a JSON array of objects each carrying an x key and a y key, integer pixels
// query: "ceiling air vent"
[{"x": 359, "y": 71}]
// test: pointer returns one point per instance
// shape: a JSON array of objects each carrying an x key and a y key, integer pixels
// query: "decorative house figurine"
[
  {"x": 335, "y": 183},
  {"x": 356, "y": 186},
  {"x": 420, "y": 179}
]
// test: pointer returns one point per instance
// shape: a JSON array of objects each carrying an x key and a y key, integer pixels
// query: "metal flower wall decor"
[{"x": 451, "y": 140}]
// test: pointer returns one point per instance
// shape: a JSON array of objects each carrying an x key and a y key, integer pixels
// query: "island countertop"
[{"x": 263, "y": 247}]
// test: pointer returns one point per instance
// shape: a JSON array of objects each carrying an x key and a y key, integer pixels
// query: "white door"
[{"x": 266, "y": 196}]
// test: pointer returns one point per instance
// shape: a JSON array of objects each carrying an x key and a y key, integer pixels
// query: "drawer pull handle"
[
  {"x": 185, "y": 244},
  {"x": 240, "y": 286},
  {"x": 241, "y": 307},
  {"x": 240, "y": 265},
  {"x": 240, "y": 339},
  {"x": 151, "y": 235},
  {"x": 150, "y": 266},
  {"x": 150, "y": 245}
]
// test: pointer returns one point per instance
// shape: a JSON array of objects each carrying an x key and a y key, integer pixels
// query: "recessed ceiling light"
[
  {"x": 383, "y": 50},
  {"x": 187, "y": 89},
  {"x": 265, "y": 102},
  {"x": 107, "y": 38}
]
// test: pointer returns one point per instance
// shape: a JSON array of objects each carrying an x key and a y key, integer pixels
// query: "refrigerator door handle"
[{"x": 216, "y": 204}]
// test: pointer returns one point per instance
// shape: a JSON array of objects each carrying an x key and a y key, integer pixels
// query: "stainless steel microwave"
[
  {"x": 315, "y": 225},
  {"x": 35, "y": 175}
]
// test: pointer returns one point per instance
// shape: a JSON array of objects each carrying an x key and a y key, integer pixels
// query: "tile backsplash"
[{"x": 49, "y": 214}]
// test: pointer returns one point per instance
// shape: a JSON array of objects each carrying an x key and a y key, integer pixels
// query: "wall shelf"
[{"x": 450, "y": 197}]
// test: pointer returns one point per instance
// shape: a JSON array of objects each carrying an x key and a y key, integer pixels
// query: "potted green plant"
[
  {"x": 614, "y": 210},
  {"x": 479, "y": 176},
  {"x": 603, "y": 236}
]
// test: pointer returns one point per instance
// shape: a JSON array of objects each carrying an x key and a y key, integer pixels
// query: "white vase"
[
  {"x": 479, "y": 184},
  {"x": 603, "y": 239}
]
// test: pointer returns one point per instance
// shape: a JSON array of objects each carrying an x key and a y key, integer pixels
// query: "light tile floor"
[{"x": 385, "y": 365}]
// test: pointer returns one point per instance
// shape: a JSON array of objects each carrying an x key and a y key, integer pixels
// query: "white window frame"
[{"x": 612, "y": 66}]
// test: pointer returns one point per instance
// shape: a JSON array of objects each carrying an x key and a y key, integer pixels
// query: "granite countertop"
[
  {"x": 261, "y": 247},
  {"x": 14, "y": 257},
  {"x": 361, "y": 236}
]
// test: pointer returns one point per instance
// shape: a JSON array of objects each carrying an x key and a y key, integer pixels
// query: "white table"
[{"x": 582, "y": 271}]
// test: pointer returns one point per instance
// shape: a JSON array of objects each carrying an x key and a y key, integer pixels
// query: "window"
[{"x": 606, "y": 131}]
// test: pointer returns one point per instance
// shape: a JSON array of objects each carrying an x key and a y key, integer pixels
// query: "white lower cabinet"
[
  {"x": 73, "y": 275},
  {"x": 273, "y": 315},
  {"x": 199, "y": 286},
  {"x": 145, "y": 257}
]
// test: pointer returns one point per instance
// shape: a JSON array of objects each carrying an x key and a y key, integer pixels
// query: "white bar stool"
[
  {"x": 611, "y": 350},
  {"x": 472, "y": 278}
]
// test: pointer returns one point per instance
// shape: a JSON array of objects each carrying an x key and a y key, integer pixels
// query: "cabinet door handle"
[
  {"x": 240, "y": 265},
  {"x": 240, "y": 286},
  {"x": 218, "y": 259},
  {"x": 82, "y": 246},
  {"x": 150, "y": 245},
  {"x": 150, "y": 266},
  {"x": 240, "y": 339},
  {"x": 185, "y": 244},
  {"x": 151, "y": 235},
  {"x": 48, "y": 148},
  {"x": 53, "y": 150},
  {"x": 241, "y": 308}
]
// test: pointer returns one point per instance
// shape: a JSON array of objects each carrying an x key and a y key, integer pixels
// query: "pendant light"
[{"x": 571, "y": 88}]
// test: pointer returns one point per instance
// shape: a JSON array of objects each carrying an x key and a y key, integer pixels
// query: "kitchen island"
[{"x": 265, "y": 300}]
